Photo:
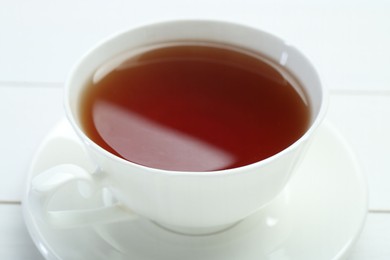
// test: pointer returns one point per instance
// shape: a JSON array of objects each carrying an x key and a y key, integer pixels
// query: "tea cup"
[{"x": 187, "y": 202}]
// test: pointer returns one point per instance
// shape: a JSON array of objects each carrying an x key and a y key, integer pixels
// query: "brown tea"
[{"x": 194, "y": 107}]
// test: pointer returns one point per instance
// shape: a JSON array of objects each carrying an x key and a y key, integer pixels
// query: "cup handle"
[{"x": 48, "y": 183}]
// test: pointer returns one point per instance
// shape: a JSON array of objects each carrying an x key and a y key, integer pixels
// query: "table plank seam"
[
  {"x": 379, "y": 211},
  {"x": 370, "y": 211},
  {"x": 22, "y": 84},
  {"x": 10, "y": 202},
  {"x": 359, "y": 92}
]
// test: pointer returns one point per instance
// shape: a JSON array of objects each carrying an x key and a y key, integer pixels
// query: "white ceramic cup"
[{"x": 189, "y": 202}]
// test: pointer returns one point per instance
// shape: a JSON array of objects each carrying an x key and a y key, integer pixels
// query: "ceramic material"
[
  {"x": 190, "y": 202},
  {"x": 318, "y": 216}
]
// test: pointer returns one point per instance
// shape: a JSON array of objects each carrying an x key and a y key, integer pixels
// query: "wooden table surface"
[{"x": 348, "y": 42}]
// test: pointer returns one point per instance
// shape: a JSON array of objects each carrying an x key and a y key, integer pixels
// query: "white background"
[{"x": 348, "y": 42}]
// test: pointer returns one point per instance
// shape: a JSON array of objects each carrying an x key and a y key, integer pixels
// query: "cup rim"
[{"x": 230, "y": 171}]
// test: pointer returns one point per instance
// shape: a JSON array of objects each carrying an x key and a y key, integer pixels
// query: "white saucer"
[{"x": 319, "y": 215}]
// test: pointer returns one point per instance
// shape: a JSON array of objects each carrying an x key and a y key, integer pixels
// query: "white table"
[{"x": 348, "y": 41}]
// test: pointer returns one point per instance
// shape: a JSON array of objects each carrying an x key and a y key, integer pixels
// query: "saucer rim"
[{"x": 44, "y": 247}]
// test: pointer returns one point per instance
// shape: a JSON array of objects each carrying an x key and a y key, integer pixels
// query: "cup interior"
[{"x": 251, "y": 39}]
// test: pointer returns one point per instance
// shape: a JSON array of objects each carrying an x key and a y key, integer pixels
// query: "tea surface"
[{"x": 194, "y": 107}]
